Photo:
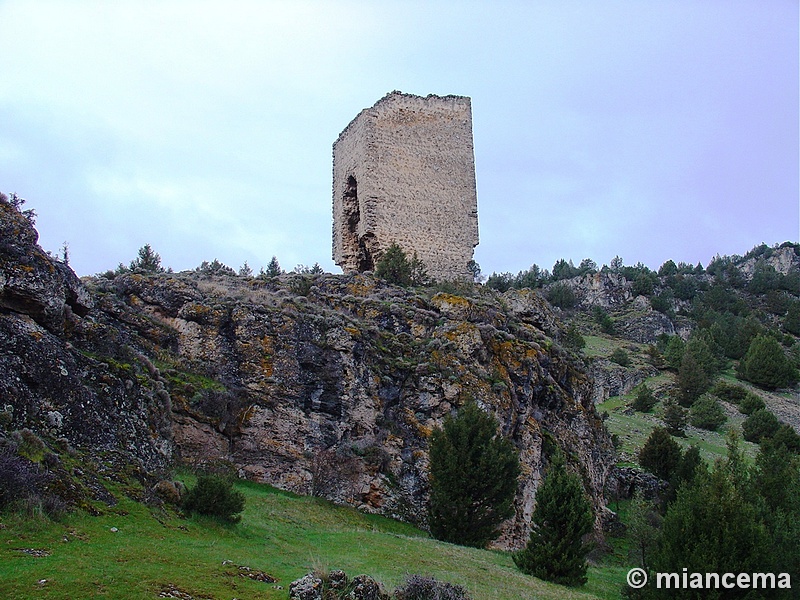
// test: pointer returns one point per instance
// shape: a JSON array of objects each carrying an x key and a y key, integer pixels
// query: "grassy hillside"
[{"x": 154, "y": 554}]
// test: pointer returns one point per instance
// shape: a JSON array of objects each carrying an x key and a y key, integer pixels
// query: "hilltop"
[
  {"x": 316, "y": 383},
  {"x": 330, "y": 385}
]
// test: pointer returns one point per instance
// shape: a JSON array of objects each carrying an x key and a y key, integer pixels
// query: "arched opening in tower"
[
  {"x": 352, "y": 216},
  {"x": 361, "y": 248}
]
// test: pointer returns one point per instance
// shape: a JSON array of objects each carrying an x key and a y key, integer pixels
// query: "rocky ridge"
[{"x": 319, "y": 384}]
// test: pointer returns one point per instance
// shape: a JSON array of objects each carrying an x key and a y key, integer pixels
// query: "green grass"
[
  {"x": 633, "y": 428},
  {"x": 282, "y": 534},
  {"x": 601, "y": 346}
]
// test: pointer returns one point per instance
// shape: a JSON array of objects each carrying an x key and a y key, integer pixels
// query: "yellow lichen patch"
[
  {"x": 514, "y": 354},
  {"x": 361, "y": 286},
  {"x": 196, "y": 311},
  {"x": 452, "y": 299},
  {"x": 461, "y": 329}
]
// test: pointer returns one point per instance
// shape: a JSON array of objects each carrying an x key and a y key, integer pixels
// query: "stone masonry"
[{"x": 404, "y": 173}]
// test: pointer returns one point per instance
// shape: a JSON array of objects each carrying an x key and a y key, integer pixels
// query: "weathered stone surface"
[
  {"x": 611, "y": 379},
  {"x": 334, "y": 392},
  {"x": 625, "y": 482},
  {"x": 604, "y": 289},
  {"x": 56, "y": 381},
  {"x": 404, "y": 173},
  {"x": 783, "y": 260},
  {"x": 645, "y": 325},
  {"x": 170, "y": 492},
  {"x": 364, "y": 587},
  {"x": 31, "y": 283},
  {"x": 308, "y": 587}
]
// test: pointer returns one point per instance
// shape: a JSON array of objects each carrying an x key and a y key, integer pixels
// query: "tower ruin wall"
[{"x": 404, "y": 173}]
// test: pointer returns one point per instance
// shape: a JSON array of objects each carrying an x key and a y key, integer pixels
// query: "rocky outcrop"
[
  {"x": 642, "y": 324},
  {"x": 626, "y": 482},
  {"x": 784, "y": 260},
  {"x": 321, "y": 384},
  {"x": 335, "y": 392},
  {"x": 611, "y": 379},
  {"x": 31, "y": 283},
  {"x": 53, "y": 380},
  {"x": 605, "y": 289}
]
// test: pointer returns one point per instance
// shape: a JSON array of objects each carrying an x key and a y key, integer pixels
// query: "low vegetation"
[{"x": 134, "y": 551}]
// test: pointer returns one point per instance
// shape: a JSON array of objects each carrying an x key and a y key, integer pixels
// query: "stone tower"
[{"x": 404, "y": 173}]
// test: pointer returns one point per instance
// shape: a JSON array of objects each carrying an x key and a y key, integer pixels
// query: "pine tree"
[
  {"x": 766, "y": 365},
  {"x": 661, "y": 455},
  {"x": 147, "y": 261},
  {"x": 675, "y": 418},
  {"x": 562, "y": 517},
  {"x": 673, "y": 353},
  {"x": 759, "y": 425},
  {"x": 473, "y": 478},
  {"x": 245, "y": 270},
  {"x": 273, "y": 268},
  {"x": 394, "y": 266},
  {"x": 714, "y": 526},
  {"x": 645, "y": 400},
  {"x": 692, "y": 380},
  {"x": 777, "y": 480},
  {"x": 707, "y": 413},
  {"x": 643, "y": 527}
]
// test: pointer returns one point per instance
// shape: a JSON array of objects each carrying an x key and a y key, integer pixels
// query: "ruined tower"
[{"x": 404, "y": 173}]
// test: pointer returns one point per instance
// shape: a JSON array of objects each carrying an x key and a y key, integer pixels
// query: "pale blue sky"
[{"x": 648, "y": 129}]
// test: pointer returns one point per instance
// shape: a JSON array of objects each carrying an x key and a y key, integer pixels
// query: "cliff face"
[
  {"x": 326, "y": 384},
  {"x": 53, "y": 378}
]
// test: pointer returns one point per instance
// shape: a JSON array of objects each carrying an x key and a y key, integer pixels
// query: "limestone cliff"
[
  {"x": 325, "y": 384},
  {"x": 63, "y": 373}
]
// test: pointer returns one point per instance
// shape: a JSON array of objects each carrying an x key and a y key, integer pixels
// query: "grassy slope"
[
  {"x": 281, "y": 534},
  {"x": 633, "y": 428}
]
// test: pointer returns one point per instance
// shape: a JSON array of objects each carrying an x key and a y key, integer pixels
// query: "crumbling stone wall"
[{"x": 404, "y": 173}]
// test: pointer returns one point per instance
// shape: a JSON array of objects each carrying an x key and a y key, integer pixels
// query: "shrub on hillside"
[
  {"x": 603, "y": 319},
  {"x": 644, "y": 400},
  {"x": 787, "y": 436},
  {"x": 706, "y": 413},
  {"x": 573, "y": 339},
  {"x": 729, "y": 392},
  {"x": 417, "y": 587},
  {"x": 761, "y": 424},
  {"x": 661, "y": 455},
  {"x": 766, "y": 365},
  {"x": 24, "y": 486},
  {"x": 750, "y": 404},
  {"x": 620, "y": 357},
  {"x": 215, "y": 496},
  {"x": 397, "y": 268},
  {"x": 562, "y": 296}
]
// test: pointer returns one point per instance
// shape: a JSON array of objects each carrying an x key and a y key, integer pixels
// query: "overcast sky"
[{"x": 646, "y": 129}]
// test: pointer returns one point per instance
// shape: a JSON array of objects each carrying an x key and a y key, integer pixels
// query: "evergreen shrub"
[
  {"x": 706, "y": 413},
  {"x": 215, "y": 496},
  {"x": 562, "y": 518},
  {"x": 473, "y": 478}
]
